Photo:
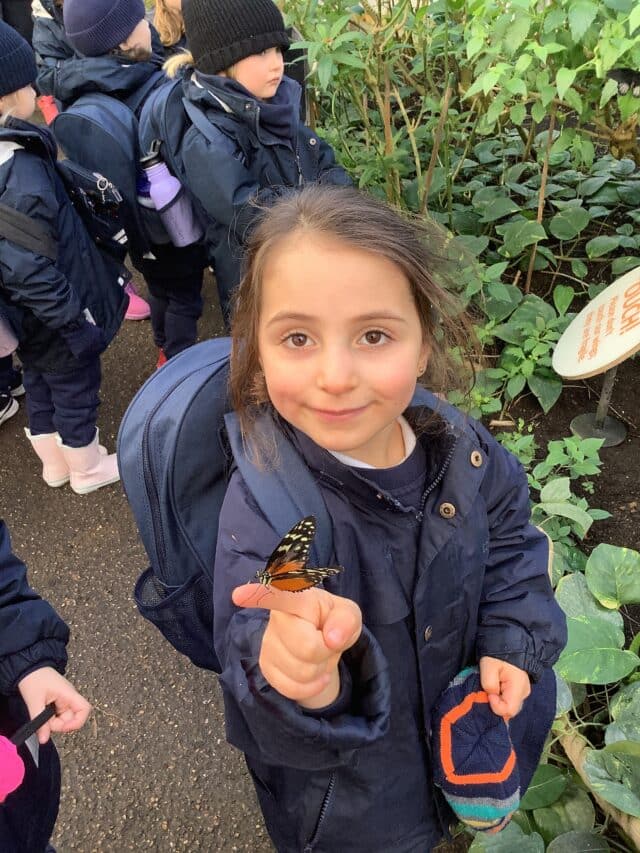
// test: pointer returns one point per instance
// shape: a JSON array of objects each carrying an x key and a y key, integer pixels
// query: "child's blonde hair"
[
  {"x": 168, "y": 22},
  {"x": 363, "y": 222}
]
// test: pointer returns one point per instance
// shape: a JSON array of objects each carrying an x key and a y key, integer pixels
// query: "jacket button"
[
  {"x": 428, "y": 631},
  {"x": 447, "y": 510},
  {"x": 476, "y": 459},
  {"x": 248, "y": 105},
  {"x": 313, "y": 141}
]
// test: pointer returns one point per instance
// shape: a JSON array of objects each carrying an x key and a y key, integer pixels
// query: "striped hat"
[{"x": 483, "y": 764}]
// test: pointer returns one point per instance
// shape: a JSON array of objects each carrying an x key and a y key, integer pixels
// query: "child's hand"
[
  {"x": 46, "y": 685},
  {"x": 507, "y": 686},
  {"x": 304, "y": 639}
]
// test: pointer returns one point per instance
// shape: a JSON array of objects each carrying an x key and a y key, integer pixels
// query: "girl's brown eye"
[
  {"x": 298, "y": 340},
  {"x": 374, "y": 337}
]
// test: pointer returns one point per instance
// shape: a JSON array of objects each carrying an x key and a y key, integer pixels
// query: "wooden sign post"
[{"x": 605, "y": 333}]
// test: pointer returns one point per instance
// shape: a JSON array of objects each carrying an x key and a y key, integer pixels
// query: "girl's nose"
[{"x": 336, "y": 373}]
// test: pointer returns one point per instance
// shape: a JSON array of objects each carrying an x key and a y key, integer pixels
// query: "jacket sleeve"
[
  {"x": 519, "y": 619},
  {"x": 330, "y": 171},
  {"x": 32, "y": 635},
  {"x": 259, "y": 720},
  {"x": 50, "y": 52},
  {"x": 218, "y": 177},
  {"x": 33, "y": 281}
]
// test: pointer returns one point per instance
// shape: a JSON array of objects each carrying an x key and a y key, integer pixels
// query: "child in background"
[
  {"x": 257, "y": 145},
  {"x": 168, "y": 21},
  {"x": 120, "y": 54},
  {"x": 52, "y": 49},
  {"x": 70, "y": 308},
  {"x": 329, "y": 692},
  {"x": 33, "y": 657}
]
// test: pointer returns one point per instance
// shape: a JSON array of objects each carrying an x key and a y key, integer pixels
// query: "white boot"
[
  {"x": 55, "y": 471},
  {"x": 89, "y": 469}
]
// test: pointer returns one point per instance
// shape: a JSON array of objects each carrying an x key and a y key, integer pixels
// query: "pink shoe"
[
  {"x": 48, "y": 107},
  {"x": 138, "y": 309}
]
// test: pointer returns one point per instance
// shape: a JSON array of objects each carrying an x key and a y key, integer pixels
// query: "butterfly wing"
[{"x": 287, "y": 568}]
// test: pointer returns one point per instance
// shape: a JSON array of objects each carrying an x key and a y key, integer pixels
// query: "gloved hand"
[{"x": 84, "y": 339}]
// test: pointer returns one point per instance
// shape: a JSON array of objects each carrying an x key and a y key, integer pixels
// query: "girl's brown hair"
[
  {"x": 367, "y": 224},
  {"x": 168, "y": 22}
]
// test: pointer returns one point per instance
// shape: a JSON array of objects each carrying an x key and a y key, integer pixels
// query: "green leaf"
[
  {"x": 546, "y": 389},
  {"x": 582, "y": 14},
  {"x": 538, "y": 112},
  {"x": 517, "y": 114},
  {"x": 556, "y": 490},
  {"x": 507, "y": 840},
  {"x": 572, "y": 811},
  {"x": 578, "y": 841},
  {"x": 625, "y": 710},
  {"x": 515, "y": 386},
  {"x": 614, "y": 777},
  {"x": 564, "y": 78},
  {"x": 325, "y": 70},
  {"x": 613, "y": 575},
  {"x": 592, "y": 185},
  {"x": 609, "y": 89},
  {"x": 593, "y": 654},
  {"x": 624, "y": 264},
  {"x": 599, "y": 246},
  {"x": 634, "y": 19},
  {"x": 518, "y": 235},
  {"x": 579, "y": 268},
  {"x": 568, "y": 223},
  {"x": 509, "y": 332},
  {"x": 563, "y": 297},
  {"x": 498, "y": 209},
  {"x": 548, "y": 783}
]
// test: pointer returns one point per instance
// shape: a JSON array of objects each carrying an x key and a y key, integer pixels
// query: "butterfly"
[{"x": 287, "y": 568}]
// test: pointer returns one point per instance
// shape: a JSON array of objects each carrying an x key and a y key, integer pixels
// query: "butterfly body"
[{"x": 287, "y": 568}]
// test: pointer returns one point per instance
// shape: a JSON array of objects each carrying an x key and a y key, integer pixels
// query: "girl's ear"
[{"x": 423, "y": 359}]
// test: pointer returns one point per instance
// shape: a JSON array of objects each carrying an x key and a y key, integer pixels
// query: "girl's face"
[
  {"x": 261, "y": 73},
  {"x": 20, "y": 104},
  {"x": 341, "y": 345},
  {"x": 138, "y": 43}
]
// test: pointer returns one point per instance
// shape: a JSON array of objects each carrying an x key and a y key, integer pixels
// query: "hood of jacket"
[
  {"x": 33, "y": 137},
  {"x": 278, "y": 118}
]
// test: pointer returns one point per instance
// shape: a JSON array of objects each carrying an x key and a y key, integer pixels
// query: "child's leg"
[
  {"x": 41, "y": 431},
  {"x": 76, "y": 399}
]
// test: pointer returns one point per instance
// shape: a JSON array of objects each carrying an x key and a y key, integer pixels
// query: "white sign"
[{"x": 605, "y": 332}]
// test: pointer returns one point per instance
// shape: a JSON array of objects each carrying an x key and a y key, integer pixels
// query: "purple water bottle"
[{"x": 171, "y": 201}]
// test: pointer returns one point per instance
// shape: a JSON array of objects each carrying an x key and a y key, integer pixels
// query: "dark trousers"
[
  {"x": 6, "y": 373},
  {"x": 17, "y": 13},
  {"x": 175, "y": 284},
  {"x": 66, "y": 403}
]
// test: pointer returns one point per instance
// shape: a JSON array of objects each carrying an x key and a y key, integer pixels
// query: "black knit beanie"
[
  {"x": 17, "y": 62},
  {"x": 95, "y": 27},
  {"x": 222, "y": 32}
]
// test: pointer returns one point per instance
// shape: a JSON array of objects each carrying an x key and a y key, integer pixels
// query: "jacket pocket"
[{"x": 183, "y": 615}]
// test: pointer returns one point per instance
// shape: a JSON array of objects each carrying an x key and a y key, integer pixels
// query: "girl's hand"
[
  {"x": 507, "y": 686},
  {"x": 46, "y": 685},
  {"x": 306, "y": 634}
]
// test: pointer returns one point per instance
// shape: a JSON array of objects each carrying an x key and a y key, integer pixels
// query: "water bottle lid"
[{"x": 153, "y": 158}]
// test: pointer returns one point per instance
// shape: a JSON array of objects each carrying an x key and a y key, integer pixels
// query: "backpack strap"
[
  {"x": 286, "y": 494},
  {"x": 200, "y": 120},
  {"x": 21, "y": 229}
]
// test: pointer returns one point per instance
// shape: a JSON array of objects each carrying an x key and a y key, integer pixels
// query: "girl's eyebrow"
[{"x": 369, "y": 317}]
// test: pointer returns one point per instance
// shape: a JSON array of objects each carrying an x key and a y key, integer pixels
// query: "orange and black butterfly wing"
[
  {"x": 292, "y": 552},
  {"x": 287, "y": 568}
]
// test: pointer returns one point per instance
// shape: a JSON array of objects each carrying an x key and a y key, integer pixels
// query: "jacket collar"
[
  {"x": 225, "y": 95},
  {"x": 30, "y": 136}
]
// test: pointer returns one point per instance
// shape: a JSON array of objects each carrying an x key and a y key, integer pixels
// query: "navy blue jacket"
[
  {"x": 32, "y": 635},
  {"x": 356, "y": 776},
  {"x": 45, "y": 295},
  {"x": 67, "y": 74},
  {"x": 246, "y": 159}
]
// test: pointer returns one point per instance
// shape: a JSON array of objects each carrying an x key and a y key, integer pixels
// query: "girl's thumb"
[{"x": 342, "y": 626}]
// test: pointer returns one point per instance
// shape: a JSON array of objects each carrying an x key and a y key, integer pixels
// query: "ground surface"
[{"x": 152, "y": 770}]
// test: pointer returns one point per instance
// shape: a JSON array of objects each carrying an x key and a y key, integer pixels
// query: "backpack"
[
  {"x": 100, "y": 134},
  {"x": 175, "y": 484}
]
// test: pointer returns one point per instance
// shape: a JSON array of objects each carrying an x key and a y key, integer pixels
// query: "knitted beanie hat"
[
  {"x": 94, "y": 27},
  {"x": 17, "y": 62},
  {"x": 222, "y": 32},
  {"x": 482, "y": 764}
]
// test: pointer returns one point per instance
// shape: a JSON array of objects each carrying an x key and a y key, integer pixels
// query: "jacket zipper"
[
  {"x": 437, "y": 480},
  {"x": 308, "y": 848}
]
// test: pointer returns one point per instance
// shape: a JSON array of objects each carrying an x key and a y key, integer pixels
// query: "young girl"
[
  {"x": 168, "y": 21},
  {"x": 329, "y": 692},
  {"x": 67, "y": 309},
  {"x": 255, "y": 145}
]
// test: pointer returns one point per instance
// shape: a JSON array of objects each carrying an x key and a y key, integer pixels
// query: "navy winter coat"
[
  {"x": 67, "y": 75},
  {"x": 356, "y": 776},
  {"x": 32, "y": 635},
  {"x": 247, "y": 158},
  {"x": 44, "y": 295}
]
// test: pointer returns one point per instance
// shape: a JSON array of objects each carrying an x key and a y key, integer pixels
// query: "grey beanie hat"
[
  {"x": 95, "y": 27},
  {"x": 17, "y": 62}
]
